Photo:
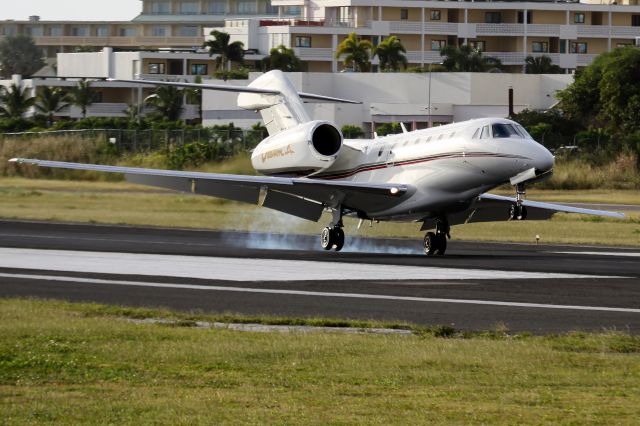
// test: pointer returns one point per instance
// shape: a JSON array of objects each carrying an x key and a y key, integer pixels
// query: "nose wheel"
[{"x": 517, "y": 210}]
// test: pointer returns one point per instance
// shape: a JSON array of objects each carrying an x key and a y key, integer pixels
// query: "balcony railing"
[
  {"x": 314, "y": 22},
  {"x": 119, "y": 41},
  {"x": 314, "y": 53}
]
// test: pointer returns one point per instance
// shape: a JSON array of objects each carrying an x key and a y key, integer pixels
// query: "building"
[
  {"x": 570, "y": 33},
  {"x": 403, "y": 97},
  {"x": 161, "y": 24}
]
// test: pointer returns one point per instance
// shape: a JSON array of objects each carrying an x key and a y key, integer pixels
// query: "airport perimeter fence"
[{"x": 222, "y": 142}]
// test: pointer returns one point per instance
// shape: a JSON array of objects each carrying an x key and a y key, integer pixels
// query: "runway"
[{"x": 477, "y": 286}]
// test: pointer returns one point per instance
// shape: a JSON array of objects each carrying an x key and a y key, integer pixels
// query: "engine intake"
[{"x": 301, "y": 150}]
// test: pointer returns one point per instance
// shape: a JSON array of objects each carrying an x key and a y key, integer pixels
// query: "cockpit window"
[
  {"x": 523, "y": 131},
  {"x": 475, "y": 134},
  {"x": 504, "y": 131},
  {"x": 486, "y": 134}
]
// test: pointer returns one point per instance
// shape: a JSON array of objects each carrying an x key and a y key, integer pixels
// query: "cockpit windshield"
[{"x": 501, "y": 130}]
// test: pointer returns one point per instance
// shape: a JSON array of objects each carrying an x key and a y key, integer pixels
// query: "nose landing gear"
[{"x": 517, "y": 211}]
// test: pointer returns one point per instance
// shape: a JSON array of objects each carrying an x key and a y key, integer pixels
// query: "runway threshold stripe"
[{"x": 318, "y": 294}]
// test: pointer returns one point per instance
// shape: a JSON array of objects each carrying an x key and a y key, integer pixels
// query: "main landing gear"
[
  {"x": 436, "y": 243},
  {"x": 517, "y": 211},
  {"x": 332, "y": 237}
]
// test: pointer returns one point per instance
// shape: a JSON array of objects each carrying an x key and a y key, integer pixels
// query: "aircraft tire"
[
  {"x": 430, "y": 244},
  {"x": 327, "y": 238},
  {"x": 338, "y": 240}
]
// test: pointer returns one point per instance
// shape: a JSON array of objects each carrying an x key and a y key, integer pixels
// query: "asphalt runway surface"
[{"x": 476, "y": 286}]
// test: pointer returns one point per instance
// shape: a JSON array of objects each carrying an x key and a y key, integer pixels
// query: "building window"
[
  {"x": 156, "y": 68},
  {"x": 246, "y": 7},
  {"x": 158, "y": 32},
  {"x": 199, "y": 69},
  {"x": 161, "y": 8},
  {"x": 539, "y": 47},
  {"x": 302, "y": 41},
  {"x": 434, "y": 15},
  {"x": 34, "y": 31},
  {"x": 480, "y": 45},
  {"x": 189, "y": 31},
  {"x": 127, "y": 32},
  {"x": 54, "y": 31},
  {"x": 624, "y": 45},
  {"x": 293, "y": 11},
  {"x": 492, "y": 17},
  {"x": 578, "y": 18},
  {"x": 217, "y": 7},
  {"x": 635, "y": 20},
  {"x": 437, "y": 45},
  {"x": 578, "y": 47},
  {"x": 404, "y": 14},
  {"x": 78, "y": 31},
  {"x": 189, "y": 8},
  {"x": 102, "y": 31},
  {"x": 521, "y": 17}
]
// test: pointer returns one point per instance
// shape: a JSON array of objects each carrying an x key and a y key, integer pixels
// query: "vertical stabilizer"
[{"x": 279, "y": 112}]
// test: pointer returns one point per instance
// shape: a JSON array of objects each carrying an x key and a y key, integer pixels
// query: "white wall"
[{"x": 461, "y": 96}]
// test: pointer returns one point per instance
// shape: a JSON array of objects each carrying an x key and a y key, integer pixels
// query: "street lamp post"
[{"x": 429, "y": 123}]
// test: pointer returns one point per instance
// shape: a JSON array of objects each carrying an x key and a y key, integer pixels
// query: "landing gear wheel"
[
  {"x": 327, "y": 238},
  {"x": 442, "y": 244},
  {"x": 517, "y": 212},
  {"x": 332, "y": 238},
  {"x": 338, "y": 241},
  {"x": 430, "y": 244}
]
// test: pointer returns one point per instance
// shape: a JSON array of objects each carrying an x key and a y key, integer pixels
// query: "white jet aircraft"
[{"x": 438, "y": 176}]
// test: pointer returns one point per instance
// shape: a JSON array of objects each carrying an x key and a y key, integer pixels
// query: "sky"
[{"x": 71, "y": 10}]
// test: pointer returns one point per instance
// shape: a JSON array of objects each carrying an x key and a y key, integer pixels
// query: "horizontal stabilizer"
[{"x": 237, "y": 89}]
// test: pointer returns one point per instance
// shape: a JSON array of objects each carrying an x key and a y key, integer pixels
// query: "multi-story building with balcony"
[
  {"x": 570, "y": 33},
  {"x": 161, "y": 24}
]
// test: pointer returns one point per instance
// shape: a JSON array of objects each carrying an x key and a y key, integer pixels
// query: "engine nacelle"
[{"x": 301, "y": 150}]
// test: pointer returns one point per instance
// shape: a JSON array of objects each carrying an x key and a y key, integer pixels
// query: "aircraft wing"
[
  {"x": 302, "y": 197},
  {"x": 490, "y": 208}
]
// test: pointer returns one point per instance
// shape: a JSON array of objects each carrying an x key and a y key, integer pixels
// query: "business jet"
[{"x": 437, "y": 176}]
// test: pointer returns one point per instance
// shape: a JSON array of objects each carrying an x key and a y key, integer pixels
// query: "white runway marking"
[
  {"x": 320, "y": 294},
  {"x": 601, "y": 253},
  {"x": 242, "y": 269}
]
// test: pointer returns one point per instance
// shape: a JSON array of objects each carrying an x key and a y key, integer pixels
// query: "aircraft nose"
[{"x": 544, "y": 161}]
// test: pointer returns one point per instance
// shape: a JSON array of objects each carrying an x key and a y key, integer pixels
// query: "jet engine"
[{"x": 298, "y": 151}]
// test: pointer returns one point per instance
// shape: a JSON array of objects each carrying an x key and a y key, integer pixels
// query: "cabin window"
[
  {"x": 452, "y": 134},
  {"x": 503, "y": 130},
  {"x": 486, "y": 133},
  {"x": 440, "y": 137},
  {"x": 429, "y": 138}
]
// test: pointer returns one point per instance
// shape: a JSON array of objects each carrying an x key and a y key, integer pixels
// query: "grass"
[
  {"x": 68, "y": 363},
  {"x": 122, "y": 203}
]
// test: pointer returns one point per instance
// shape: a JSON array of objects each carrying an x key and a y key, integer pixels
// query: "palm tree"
[
  {"x": 467, "y": 59},
  {"x": 15, "y": 101},
  {"x": 50, "y": 101},
  {"x": 227, "y": 52},
  {"x": 167, "y": 101},
  {"x": 540, "y": 65},
  {"x": 82, "y": 96},
  {"x": 282, "y": 58},
  {"x": 356, "y": 51},
  {"x": 391, "y": 54}
]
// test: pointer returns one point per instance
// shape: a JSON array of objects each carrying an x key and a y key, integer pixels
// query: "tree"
[
  {"x": 227, "y": 52},
  {"x": 391, "y": 54},
  {"x": 19, "y": 55},
  {"x": 540, "y": 65},
  {"x": 607, "y": 93},
  {"x": 282, "y": 58},
  {"x": 167, "y": 101},
  {"x": 467, "y": 59},
  {"x": 50, "y": 101},
  {"x": 356, "y": 51},
  {"x": 351, "y": 131},
  {"x": 15, "y": 101},
  {"x": 388, "y": 129},
  {"x": 82, "y": 96}
]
